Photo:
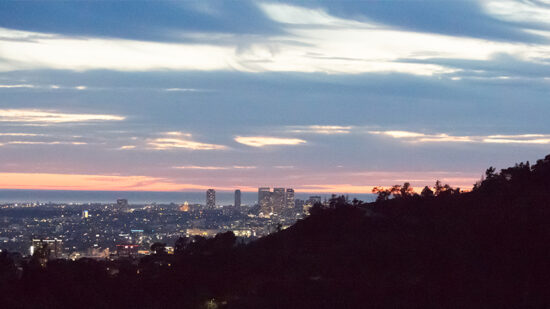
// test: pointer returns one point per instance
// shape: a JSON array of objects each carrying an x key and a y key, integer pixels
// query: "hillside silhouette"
[{"x": 444, "y": 248}]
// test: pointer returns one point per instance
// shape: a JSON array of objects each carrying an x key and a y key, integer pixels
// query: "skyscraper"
[
  {"x": 289, "y": 198},
  {"x": 210, "y": 198},
  {"x": 264, "y": 200},
  {"x": 237, "y": 198},
  {"x": 47, "y": 248},
  {"x": 122, "y": 202},
  {"x": 278, "y": 200}
]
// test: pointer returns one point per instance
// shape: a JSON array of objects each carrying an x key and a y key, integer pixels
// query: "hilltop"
[{"x": 443, "y": 248}]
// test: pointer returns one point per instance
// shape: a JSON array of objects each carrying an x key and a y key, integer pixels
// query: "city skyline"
[{"x": 321, "y": 96}]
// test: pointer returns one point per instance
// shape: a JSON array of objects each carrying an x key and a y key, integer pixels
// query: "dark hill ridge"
[{"x": 486, "y": 248}]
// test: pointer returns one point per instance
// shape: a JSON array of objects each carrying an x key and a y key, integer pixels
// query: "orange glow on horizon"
[
  {"x": 86, "y": 182},
  {"x": 47, "y": 181}
]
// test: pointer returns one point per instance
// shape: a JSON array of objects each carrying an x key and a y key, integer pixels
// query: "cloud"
[
  {"x": 322, "y": 129},
  {"x": 519, "y": 11},
  {"x": 45, "y": 143},
  {"x": 213, "y": 168},
  {"x": 284, "y": 166},
  {"x": 52, "y": 181},
  {"x": 183, "y": 90},
  {"x": 173, "y": 143},
  {"x": 20, "y": 134},
  {"x": 88, "y": 53},
  {"x": 197, "y": 167},
  {"x": 41, "y": 87},
  {"x": 416, "y": 137},
  {"x": 127, "y": 147},
  {"x": 289, "y": 14},
  {"x": 181, "y": 140},
  {"x": 313, "y": 41},
  {"x": 42, "y": 116},
  {"x": 261, "y": 141},
  {"x": 243, "y": 167},
  {"x": 17, "y": 86}
]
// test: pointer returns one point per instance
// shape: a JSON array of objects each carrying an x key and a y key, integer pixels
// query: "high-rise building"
[
  {"x": 122, "y": 202},
  {"x": 264, "y": 201},
  {"x": 278, "y": 200},
  {"x": 47, "y": 248},
  {"x": 237, "y": 198},
  {"x": 314, "y": 199},
  {"x": 210, "y": 198},
  {"x": 289, "y": 198}
]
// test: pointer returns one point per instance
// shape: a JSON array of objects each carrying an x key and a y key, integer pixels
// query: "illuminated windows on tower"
[{"x": 210, "y": 198}]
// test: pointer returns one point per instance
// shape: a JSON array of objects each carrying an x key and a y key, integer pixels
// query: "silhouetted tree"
[
  {"x": 337, "y": 201},
  {"x": 427, "y": 192},
  {"x": 383, "y": 194},
  {"x": 490, "y": 173},
  {"x": 406, "y": 190},
  {"x": 316, "y": 209},
  {"x": 180, "y": 246}
]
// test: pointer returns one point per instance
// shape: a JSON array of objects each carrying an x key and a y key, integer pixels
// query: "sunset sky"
[{"x": 322, "y": 96}]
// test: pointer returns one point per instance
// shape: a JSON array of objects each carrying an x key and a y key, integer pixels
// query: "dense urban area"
[{"x": 126, "y": 230}]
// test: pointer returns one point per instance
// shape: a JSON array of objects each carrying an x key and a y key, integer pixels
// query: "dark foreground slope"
[{"x": 486, "y": 248}]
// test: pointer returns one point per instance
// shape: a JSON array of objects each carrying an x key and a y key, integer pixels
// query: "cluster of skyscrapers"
[
  {"x": 270, "y": 202},
  {"x": 276, "y": 201}
]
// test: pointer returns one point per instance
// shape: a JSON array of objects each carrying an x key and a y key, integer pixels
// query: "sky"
[{"x": 321, "y": 96}]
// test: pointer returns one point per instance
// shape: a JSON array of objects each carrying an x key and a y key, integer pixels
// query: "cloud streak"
[
  {"x": 262, "y": 141},
  {"x": 322, "y": 129},
  {"x": 214, "y": 168},
  {"x": 314, "y": 41},
  {"x": 181, "y": 140},
  {"x": 52, "y": 181},
  {"x": 52, "y": 117},
  {"x": 416, "y": 137}
]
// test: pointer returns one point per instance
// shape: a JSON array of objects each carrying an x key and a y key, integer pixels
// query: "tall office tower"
[
  {"x": 314, "y": 200},
  {"x": 47, "y": 248},
  {"x": 237, "y": 198},
  {"x": 290, "y": 198},
  {"x": 278, "y": 200},
  {"x": 122, "y": 202},
  {"x": 264, "y": 200},
  {"x": 210, "y": 198}
]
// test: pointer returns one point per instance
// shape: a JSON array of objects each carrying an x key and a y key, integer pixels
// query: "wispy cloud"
[
  {"x": 519, "y": 10},
  {"x": 213, "y": 168},
  {"x": 284, "y": 166},
  {"x": 295, "y": 15},
  {"x": 183, "y": 90},
  {"x": 127, "y": 147},
  {"x": 43, "y": 87},
  {"x": 321, "y": 129},
  {"x": 314, "y": 41},
  {"x": 88, "y": 53},
  {"x": 417, "y": 137},
  {"x": 42, "y": 116},
  {"x": 20, "y": 134},
  {"x": 181, "y": 140},
  {"x": 53, "y": 181},
  {"x": 45, "y": 143},
  {"x": 177, "y": 133},
  {"x": 17, "y": 86},
  {"x": 262, "y": 141}
]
